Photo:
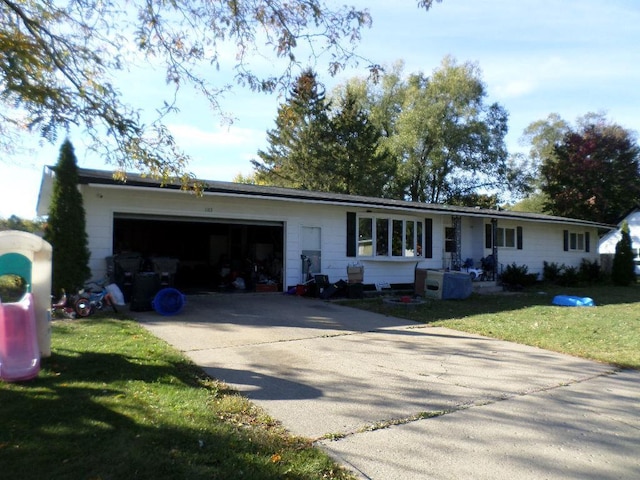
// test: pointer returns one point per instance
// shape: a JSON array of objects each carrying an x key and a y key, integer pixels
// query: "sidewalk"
[{"x": 393, "y": 399}]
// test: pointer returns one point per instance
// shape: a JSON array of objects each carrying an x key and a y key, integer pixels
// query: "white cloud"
[
  {"x": 513, "y": 88},
  {"x": 193, "y": 136}
]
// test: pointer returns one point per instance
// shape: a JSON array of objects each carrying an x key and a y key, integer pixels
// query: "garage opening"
[{"x": 209, "y": 255}]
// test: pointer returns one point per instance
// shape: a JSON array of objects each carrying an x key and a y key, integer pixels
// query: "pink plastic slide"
[{"x": 19, "y": 351}]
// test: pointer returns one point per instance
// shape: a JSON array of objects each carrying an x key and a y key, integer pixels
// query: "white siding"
[
  {"x": 545, "y": 242},
  {"x": 610, "y": 240},
  {"x": 542, "y": 241}
]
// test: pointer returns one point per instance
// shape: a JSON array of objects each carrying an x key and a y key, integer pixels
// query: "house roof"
[
  {"x": 632, "y": 210},
  {"x": 212, "y": 187}
]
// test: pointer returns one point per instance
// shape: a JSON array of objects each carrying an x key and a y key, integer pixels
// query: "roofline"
[
  {"x": 629, "y": 212},
  {"x": 105, "y": 178}
]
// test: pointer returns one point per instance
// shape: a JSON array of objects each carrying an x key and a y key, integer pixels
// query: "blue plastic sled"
[{"x": 571, "y": 301}]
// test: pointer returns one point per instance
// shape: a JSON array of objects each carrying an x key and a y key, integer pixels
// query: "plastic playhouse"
[{"x": 25, "y": 329}]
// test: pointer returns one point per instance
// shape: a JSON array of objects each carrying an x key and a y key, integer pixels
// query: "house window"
[
  {"x": 449, "y": 239},
  {"x": 576, "y": 241},
  {"x": 506, "y": 237},
  {"x": 382, "y": 237},
  {"x": 389, "y": 237},
  {"x": 397, "y": 236},
  {"x": 409, "y": 239},
  {"x": 365, "y": 237}
]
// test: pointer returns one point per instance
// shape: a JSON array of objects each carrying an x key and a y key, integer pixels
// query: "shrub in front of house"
[
  {"x": 517, "y": 277},
  {"x": 551, "y": 272},
  {"x": 588, "y": 272},
  {"x": 569, "y": 277}
]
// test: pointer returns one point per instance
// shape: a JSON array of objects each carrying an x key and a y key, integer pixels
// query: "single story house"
[
  {"x": 607, "y": 245},
  {"x": 283, "y": 237},
  {"x": 608, "y": 242}
]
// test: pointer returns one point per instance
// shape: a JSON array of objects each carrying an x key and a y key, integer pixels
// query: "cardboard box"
[{"x": 355, "y": 274}]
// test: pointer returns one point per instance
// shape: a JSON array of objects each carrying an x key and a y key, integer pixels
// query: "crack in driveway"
[{"x": 383, "y": 424}]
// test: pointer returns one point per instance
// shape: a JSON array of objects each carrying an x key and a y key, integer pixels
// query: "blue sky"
[{"x": 537, "y": 57}]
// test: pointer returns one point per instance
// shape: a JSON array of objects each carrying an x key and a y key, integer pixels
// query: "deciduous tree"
[
  {"x": 59, "y": 60},
  {"x": 593, "y": 173},
  {"x": 448, "y": 142},
  {"x": 16, "y": 223}
]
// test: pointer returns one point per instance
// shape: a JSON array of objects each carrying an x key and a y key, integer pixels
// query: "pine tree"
[
  {"x": 622, "y": 272},
  {"x": 362, "y": 166},
  {"x": 65, "y": 229},
  {"x": 299, "y": 146}
]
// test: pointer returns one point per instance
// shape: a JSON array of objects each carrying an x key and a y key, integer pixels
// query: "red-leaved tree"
[{"x": 593, "y": 174}]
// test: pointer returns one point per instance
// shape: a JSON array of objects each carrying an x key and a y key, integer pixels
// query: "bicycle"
[{"x": 92, "y": 298}]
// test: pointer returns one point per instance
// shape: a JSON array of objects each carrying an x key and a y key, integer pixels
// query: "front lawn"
[
  {"x": 609, "y": 332},
  {"x": 114, "y": 402}
]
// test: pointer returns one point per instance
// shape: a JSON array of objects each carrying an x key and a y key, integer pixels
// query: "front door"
[{"x": 311, "y": 252}]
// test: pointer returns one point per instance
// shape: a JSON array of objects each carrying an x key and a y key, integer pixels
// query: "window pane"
[
  {"x": 572, "y": 241},
  {"x": 396, "y": 246},
  {"x": 580, "y": 245},
  {"x": 510, "y": 237},
  {"x": 419, "y": 238},
  {"x": 409, "y": 250},
  {"x": 365, "y": 239},
  {"x": 382, "y": 236},
  {"x": 500, "y": 237},
  {"x": 449, "y": 239}
]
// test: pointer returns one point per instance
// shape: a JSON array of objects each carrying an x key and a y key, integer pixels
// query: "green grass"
[
  {"x": 114, "y": 402},
  {"x": 609, "y": 332}
]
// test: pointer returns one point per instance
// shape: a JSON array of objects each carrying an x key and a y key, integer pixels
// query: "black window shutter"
[
  {"x": 587, "y": 242},
  {"x": 519, "y": 237},
  {"x": 428, "y": 238},
  {"x": 566, "y": 240},
  {"x": 488, "y": 235},
  {"x": 351, "y": 234}
]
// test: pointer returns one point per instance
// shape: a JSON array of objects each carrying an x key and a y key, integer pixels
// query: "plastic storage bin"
[{"x": 168, "y": 301}]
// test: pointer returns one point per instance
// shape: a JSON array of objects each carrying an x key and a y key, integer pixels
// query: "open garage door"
[{"x": 211, "y": 255}]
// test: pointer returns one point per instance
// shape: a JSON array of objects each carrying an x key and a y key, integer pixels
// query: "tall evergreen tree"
[
  {"x": 299, "y": 146},
  {"x": 66, "y": 226},
  {"x": 361, "y": 165},
  {"x": 622, "y": 271}
]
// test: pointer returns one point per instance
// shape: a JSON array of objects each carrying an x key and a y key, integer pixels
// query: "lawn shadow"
[
  {"x": 92, "y": 415},
  {"x": 259, "y": 386},
  {"x": 434, "y": 310}
]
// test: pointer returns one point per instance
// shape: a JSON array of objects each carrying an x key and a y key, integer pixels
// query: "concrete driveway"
[{"x": 392, "y": 399}]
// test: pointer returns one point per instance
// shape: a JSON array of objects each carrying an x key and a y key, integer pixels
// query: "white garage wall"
[{"x": 542, "y": 241}]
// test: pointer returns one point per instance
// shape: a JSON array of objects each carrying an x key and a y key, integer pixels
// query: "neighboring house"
[
  {"x": 285, "y": 236},
  {"x": 607, "y": 245}
]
